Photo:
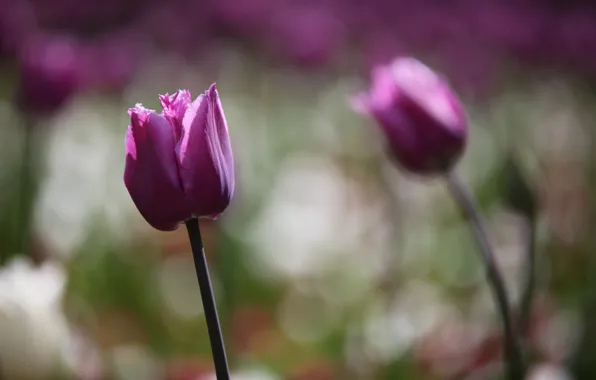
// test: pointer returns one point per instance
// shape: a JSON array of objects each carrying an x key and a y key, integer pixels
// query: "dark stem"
[
  {"x": 468, "y": 207},
  {"x": 530, "y": 277},
  {"x": 215, "y": 337}
]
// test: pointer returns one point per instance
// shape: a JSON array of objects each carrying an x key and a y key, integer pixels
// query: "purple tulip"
[
  {"x": 422, "y": 118},
  {"x": 179, "y": 163}
]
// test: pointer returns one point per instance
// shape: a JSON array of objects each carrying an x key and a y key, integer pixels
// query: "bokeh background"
[{"x": 330, "y": 263}]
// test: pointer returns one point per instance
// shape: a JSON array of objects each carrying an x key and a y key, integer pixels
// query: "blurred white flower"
[
  {"x": 548, "y": 371},
  {"x": 250, "y": 373},
  {"x": 132, "y": 362},
  {"x": 390, "y": 330},
  {"x": 558, "y": 335},
  {"x": 317, "y": 220},
  {"x": 33, "y": 329},
  {"x": 83, "y": 182}
]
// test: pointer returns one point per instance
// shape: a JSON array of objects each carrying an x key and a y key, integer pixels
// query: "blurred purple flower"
[
  {"x": 179, "y": 163},
  {"x": 245, "y": 18},
  {"x": 422, "y": 118},
  {"x": 427, "y": 28},
  {"x": 17, "y": 22},
  {"x": 575, "y": 40},
  {"x": 182, "y": 27},
  {"x": 88, "y": 17},
  {"x": 48, "y": 73},
  {"x": 306, "y": 36},
  {"x": 110, "y": 62},
  {"x": 518, "y": 30}
]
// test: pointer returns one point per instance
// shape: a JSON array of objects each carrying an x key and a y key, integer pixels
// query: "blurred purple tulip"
[
  {"x": 17, "y": 22},
  {"x": 179, "y": 163},
  {"x": 48, "y": 74},
  {"x": 246, "y": 18},
  {"x": 110, "y": 62},
  {"x": 422, "y": 118},
  {"x": 575, "y": 41},
  {"x": 306, "y": 36},
  {"x": 181, "y": 27},
  {"x": 87, "y": 17}
]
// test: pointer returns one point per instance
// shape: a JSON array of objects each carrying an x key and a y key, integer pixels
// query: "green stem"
[{"x": 464, "y": 200}]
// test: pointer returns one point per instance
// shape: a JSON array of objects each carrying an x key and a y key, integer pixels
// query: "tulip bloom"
[
  {"x": 422, "y": 118},
  {"x": 179, "y": 163}
]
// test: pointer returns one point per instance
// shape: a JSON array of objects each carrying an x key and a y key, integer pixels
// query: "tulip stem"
[
  {"x": 215, "y": 337},
  {"x": 464, "y": 200}
]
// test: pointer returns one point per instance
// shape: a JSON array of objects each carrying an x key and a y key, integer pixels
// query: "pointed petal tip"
[
  {"x": 180, "y": 95},
  {"x": 212, "y": 92},
  {"x": 165, "y": 98},
  {"x": 174, "y": 108}
]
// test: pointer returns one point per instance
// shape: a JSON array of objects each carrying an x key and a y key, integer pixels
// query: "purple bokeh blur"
[{"x": 468, "y": 38}]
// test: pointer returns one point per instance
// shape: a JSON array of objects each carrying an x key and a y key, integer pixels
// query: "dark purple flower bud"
[
  {"x": 179, "y": 163},
  {"x": 48, "y": 74},
  {"x": 422, "y": 118}
]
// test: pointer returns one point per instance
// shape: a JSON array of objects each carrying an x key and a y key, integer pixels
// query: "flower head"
[
  {"x": 422, "y": 118},
  {"x": 179, "y": 163}
]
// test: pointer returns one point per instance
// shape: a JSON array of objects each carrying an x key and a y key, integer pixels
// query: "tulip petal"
[
  {"x": 205, "y": 157},
  {"x": 151, "y": 172},
  {"x": 174, "y": 108},
  {"x": 427, "y": 90},
  {"x": 383, "y": 91}
]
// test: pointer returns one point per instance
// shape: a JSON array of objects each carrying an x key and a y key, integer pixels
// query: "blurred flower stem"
[
  {"x": 464, "y": 200},
  {"x": 519, "y": 196},
  {"x": 213, "y": 326}
]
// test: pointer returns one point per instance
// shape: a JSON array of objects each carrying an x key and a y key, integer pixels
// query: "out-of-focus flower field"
[{"x": 329, "y": 263}]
